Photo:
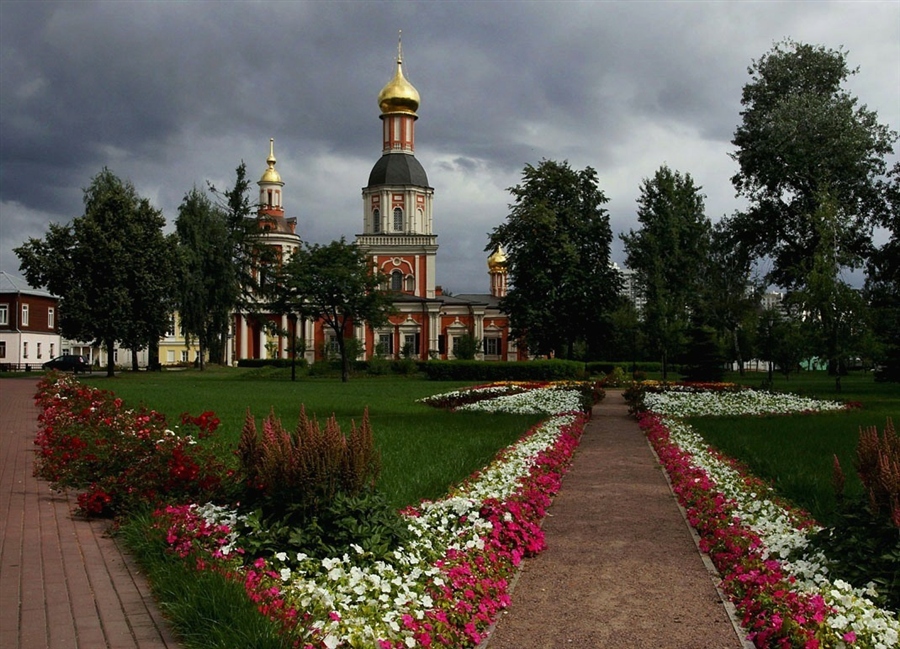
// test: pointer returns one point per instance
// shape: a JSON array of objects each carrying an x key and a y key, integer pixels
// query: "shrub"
[
  {"x": 271, "y": 362},
  {"x": 878, "y": 466},
  {"x": 605, "y": 367},
  {"x": 864, "y": 544},
  {"x": 307, "y": 468},
  {"x": 554, "y": 370}
]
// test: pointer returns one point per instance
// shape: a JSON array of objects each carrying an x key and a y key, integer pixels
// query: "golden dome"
[
  {"x": 497, "y": 261},
  {"x": 270, "y": 175},
  {"x": 399, "y": 95}
]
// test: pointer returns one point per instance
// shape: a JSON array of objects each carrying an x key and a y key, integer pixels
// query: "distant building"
[
  {"x": 771, "y": 300},
  {"x": 29, "y": 325},
  {"x": 399, "y": 237}
]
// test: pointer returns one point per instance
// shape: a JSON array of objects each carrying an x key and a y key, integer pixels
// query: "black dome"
[{"x": 398, "y": 169}]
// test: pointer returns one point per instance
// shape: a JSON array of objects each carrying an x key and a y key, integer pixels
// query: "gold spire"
[
  {"x": 399, "y": 95},
  {"x": 497, "y": 261},
  {"x": 270, "y": 175}
]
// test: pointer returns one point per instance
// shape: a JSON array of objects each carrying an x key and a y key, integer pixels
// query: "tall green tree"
[
  {"x": 247, "y": 256},
  {"x": 729, "y": 292},
  {"x": 206, "y": 275},
  {"x": 668, "y": 255},
  {"x": 110, "y": 267},
  {"x": 882, "y": 289},
  {"x": 557, "y": 238},
  {"x": 336, "y": 283},
  {"x": 803, "y": 137}
]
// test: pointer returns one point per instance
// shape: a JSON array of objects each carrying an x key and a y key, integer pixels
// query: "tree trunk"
[
  {"x": 110, "y": 361},
  {"x": 134, "y": 361},
  {"x": 345, "y": 362}
]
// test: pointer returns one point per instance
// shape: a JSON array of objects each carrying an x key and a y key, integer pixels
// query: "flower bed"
[
  {"x": 444, "y": 588},
  {"x": 780, "y": 587},
  {"x": 121, "y": 458},
  {"x": 521, "y": 398}
]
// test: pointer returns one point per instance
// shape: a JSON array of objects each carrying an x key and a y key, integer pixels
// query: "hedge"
[
  {"x": 503, "y": 371},
  {"x": 605, "y": 367},
  {"x": 270, "y": 362}
]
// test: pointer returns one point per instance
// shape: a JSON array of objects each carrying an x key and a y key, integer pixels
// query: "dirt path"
[{"x": 621, "y": 569}]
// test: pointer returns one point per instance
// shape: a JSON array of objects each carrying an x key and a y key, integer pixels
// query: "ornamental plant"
[
  {"x": 306, "y": 468},
  {"x": 443, "y": 586},
  {"x": 878, "y": 466},
  {"x": 780, "y": 574},
  {"x": 120, "y": 458}
]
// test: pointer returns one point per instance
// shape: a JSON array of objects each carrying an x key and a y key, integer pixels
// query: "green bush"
[
  {"x": 555, "y": 370},
  {"x": 605, "y": 367},
  {"x": 305, "y": 468},
  {"x": 271, "y": 362}
]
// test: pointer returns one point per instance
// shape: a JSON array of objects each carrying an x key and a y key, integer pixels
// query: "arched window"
[
  {"x": 376, "y": 220},
  {"x": 397, "y": 281},
  {"x": 398, "y": 219},
  {"x": 411, "y": 284}
]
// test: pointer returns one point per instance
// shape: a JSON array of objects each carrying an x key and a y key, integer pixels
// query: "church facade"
[{"x": 399, "y": 238}]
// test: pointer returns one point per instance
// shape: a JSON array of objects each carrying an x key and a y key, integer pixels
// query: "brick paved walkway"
[{"x": 63, "y": 582}]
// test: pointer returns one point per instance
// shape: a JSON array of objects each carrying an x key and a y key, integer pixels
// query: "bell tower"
[{"x": 397, "y": 201}]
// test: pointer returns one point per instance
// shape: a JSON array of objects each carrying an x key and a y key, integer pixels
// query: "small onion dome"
[
  {"x": 399, "y": 95},
  {"x": 497, "y": 261},
  {"x": 270, "y": 175}
]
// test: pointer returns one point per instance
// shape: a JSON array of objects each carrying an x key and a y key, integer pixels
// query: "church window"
[
  {"x": 397, "y": 281},
  {"x": 398, "y": 219},
  {"x": 270, "y": 198},
  {"x": 386, "y": 344},
  {"x": 376, "y": 220},
  {"x": 492, "y": 346},
  {"x": 411, "y": 284}
]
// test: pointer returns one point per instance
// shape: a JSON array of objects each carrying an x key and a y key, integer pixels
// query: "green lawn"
[
  {"x": 796, "y": 452},
  {"x": 424, "y": 450}
]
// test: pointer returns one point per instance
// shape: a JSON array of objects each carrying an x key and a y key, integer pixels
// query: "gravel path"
[{"x": 621, "y": 568}]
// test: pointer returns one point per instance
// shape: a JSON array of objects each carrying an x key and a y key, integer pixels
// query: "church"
[{"x": 399, "y": 238}]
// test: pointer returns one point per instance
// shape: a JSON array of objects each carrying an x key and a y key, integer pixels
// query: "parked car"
[{"x": 67, "y": 363}]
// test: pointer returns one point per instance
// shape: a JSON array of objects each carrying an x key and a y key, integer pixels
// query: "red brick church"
[{"x": 398, "y": 234}]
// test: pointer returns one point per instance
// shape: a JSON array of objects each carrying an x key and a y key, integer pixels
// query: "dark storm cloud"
[{"x": 172, "y": 95}]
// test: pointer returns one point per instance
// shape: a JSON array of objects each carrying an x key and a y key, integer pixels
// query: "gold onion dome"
[
  {"x": 399, "y": 95},
  {"x": 497, "y": 261},
  {"x": 270, "y": 175}
]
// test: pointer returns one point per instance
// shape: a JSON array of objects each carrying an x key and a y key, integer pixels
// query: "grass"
[
  {"x": 424, "y": 450},
  {"x": 795, "y": 453},
  {"x": 206, "y": 609}
]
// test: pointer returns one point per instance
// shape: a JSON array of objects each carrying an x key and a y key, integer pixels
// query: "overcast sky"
[{"x": 170, "y": 95}]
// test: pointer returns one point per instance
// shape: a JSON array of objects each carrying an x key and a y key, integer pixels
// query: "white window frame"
[
  {"x": 4, "y": 314},
  {"x": 25, "y": 349},
  {"x": 25, "y": 315},
  {"x": 398, "y": 219},
  {"x": 51, "y": 318},
  {"x": 2, "y": 349}
]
